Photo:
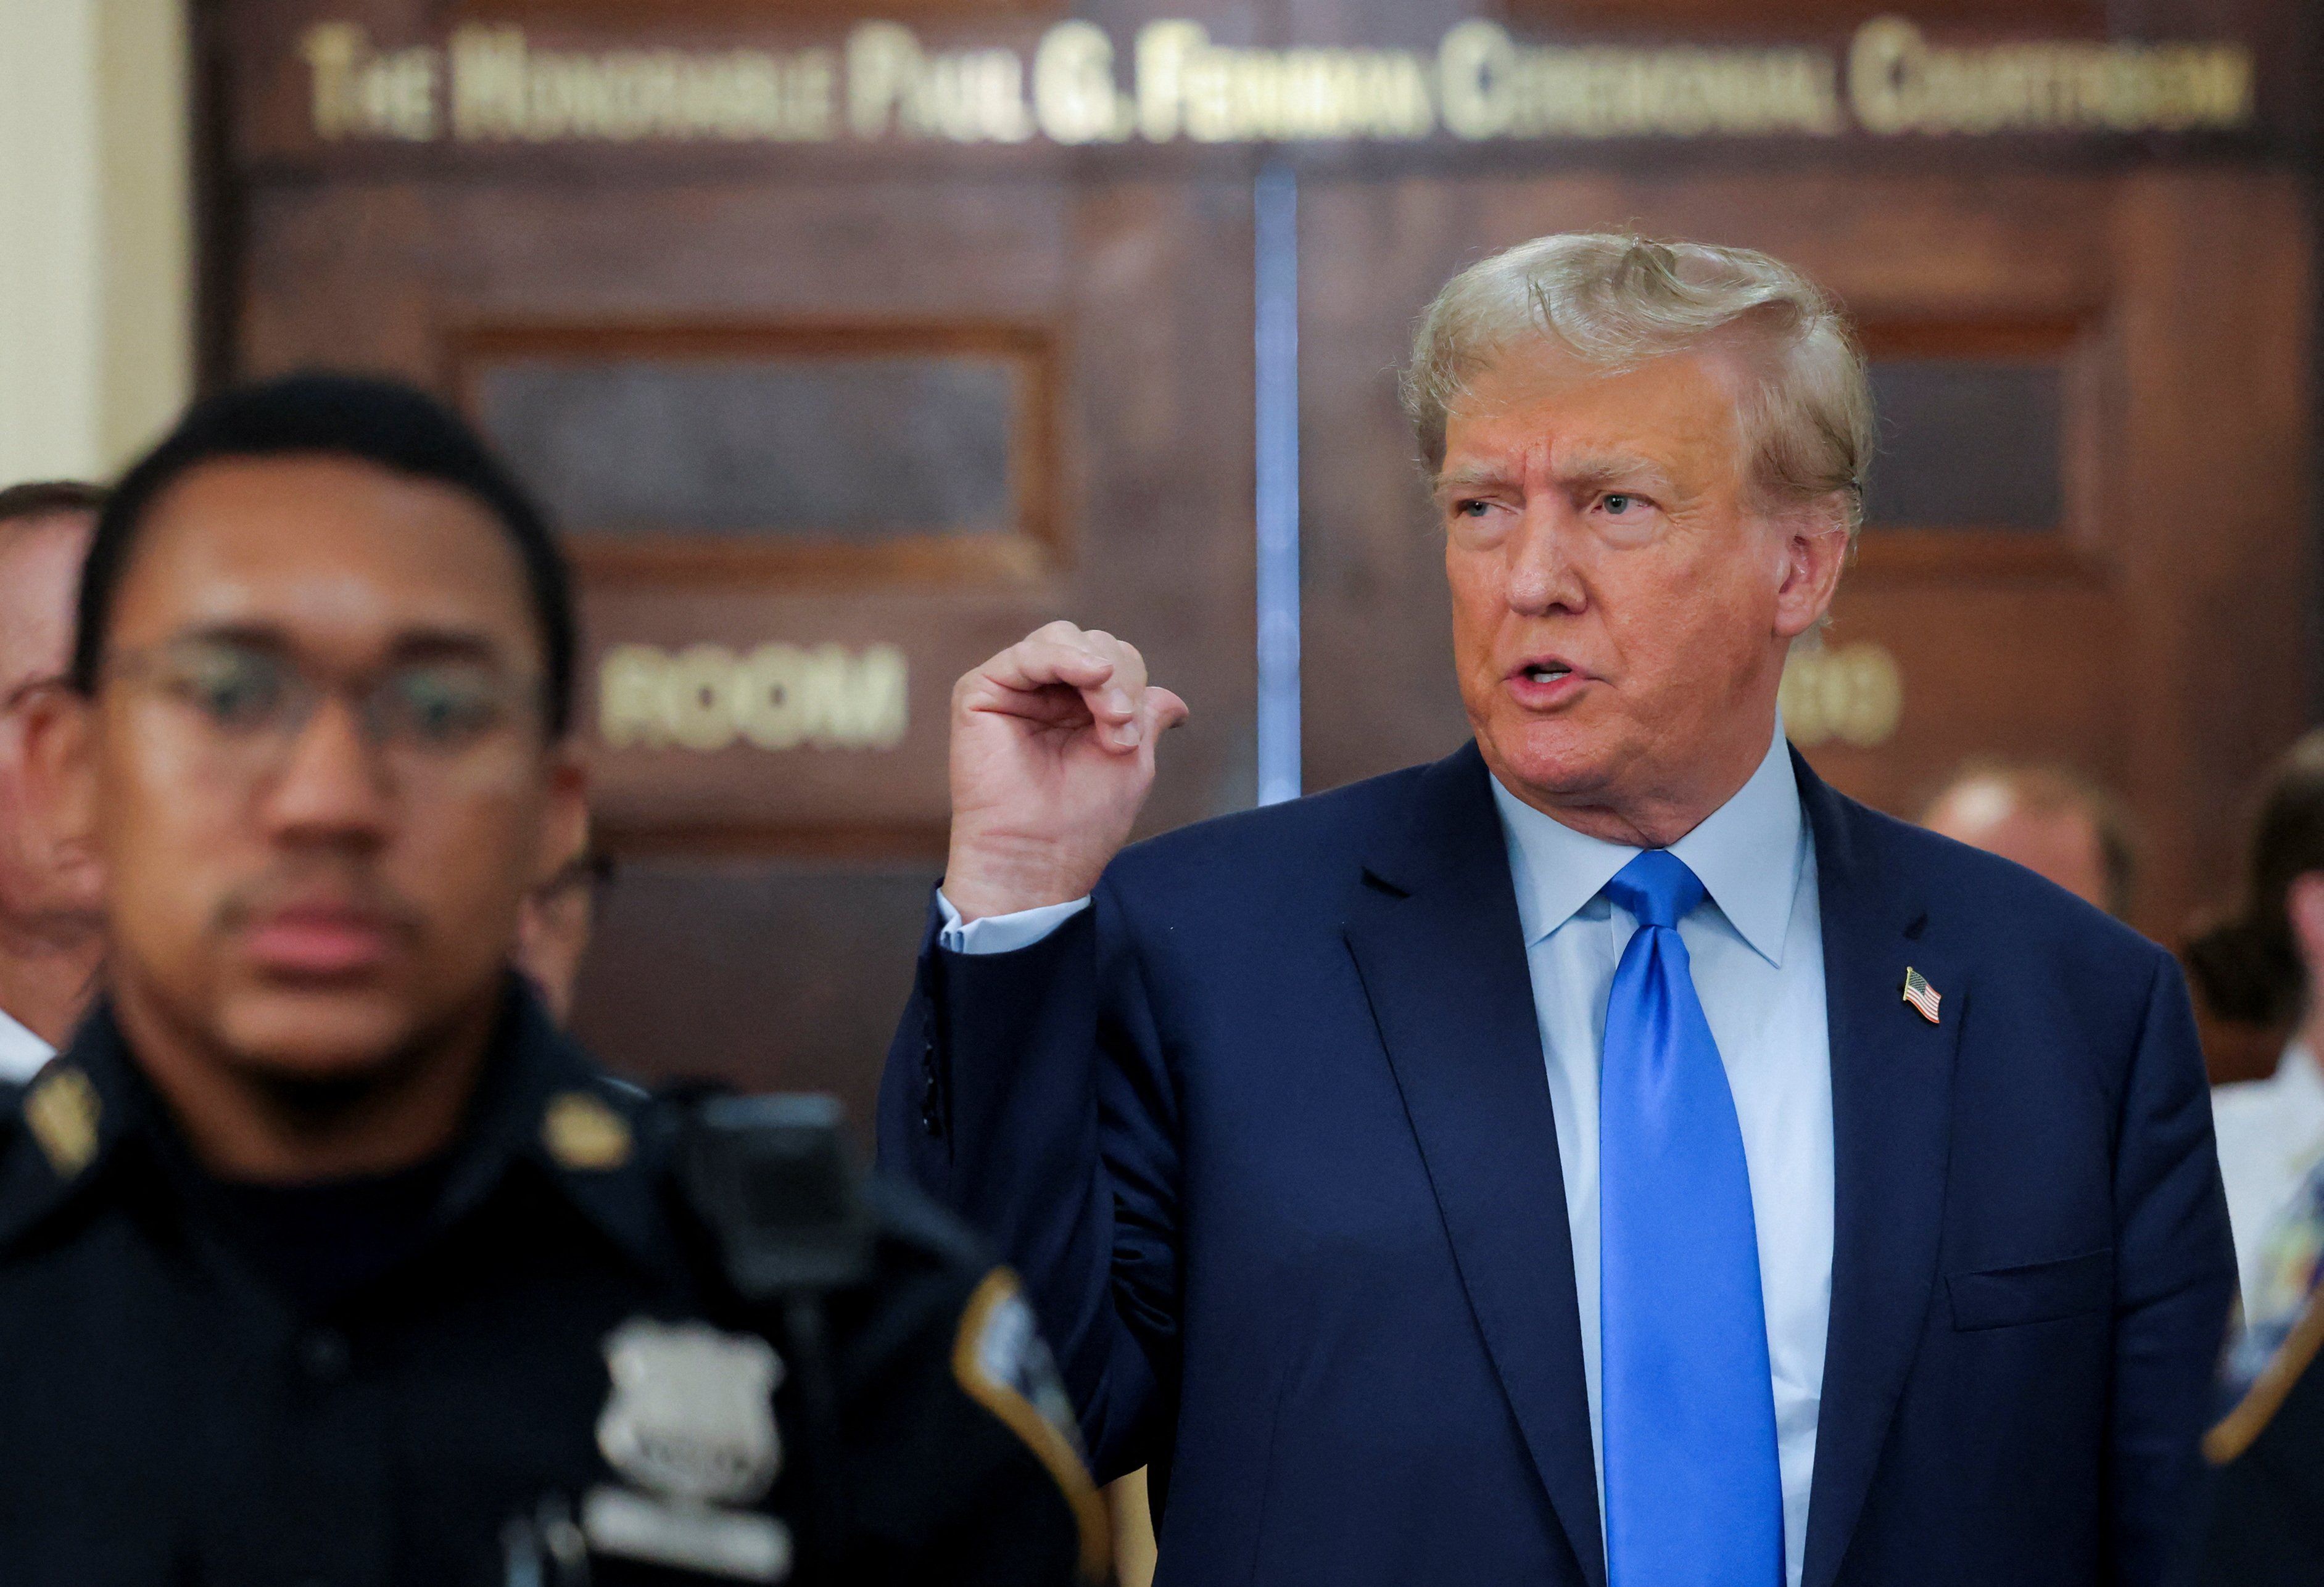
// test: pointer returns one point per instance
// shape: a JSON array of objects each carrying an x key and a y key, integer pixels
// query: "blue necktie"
[{"x": 1694, "y": 1494}]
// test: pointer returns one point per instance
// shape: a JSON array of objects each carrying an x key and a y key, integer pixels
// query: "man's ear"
[
  {"x": 565, "y": 821},
  {"x": 1813, "y": 545},
  {"x": 60, "y": 767}
]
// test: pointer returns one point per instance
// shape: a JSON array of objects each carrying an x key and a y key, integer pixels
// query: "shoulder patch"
[
  {"x": 62, "y": 1111},
  {"x": 1004, "y": 1365}
]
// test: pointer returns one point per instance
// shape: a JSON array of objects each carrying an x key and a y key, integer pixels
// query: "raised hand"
[{"x": 1052, "y": 754}]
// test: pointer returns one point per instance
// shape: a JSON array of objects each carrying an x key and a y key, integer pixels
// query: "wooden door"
[
  {"x": 850, "y": 343},
  {"x": 824, "y": 434}
]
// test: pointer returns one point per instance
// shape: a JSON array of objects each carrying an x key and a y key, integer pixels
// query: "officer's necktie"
[{"x": 1694, "y": 1494}]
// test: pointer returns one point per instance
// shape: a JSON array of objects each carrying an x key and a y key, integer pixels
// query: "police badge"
[
  {"x": 692, "y": 1414},
  {"x": 691, "y": 1421}
]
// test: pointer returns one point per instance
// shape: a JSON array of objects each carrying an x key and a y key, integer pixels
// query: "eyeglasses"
[
  {"x": 17, "y": 698},
  {"x": 253, "y": 703}
]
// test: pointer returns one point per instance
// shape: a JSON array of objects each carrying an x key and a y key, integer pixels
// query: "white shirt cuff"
[{"x": 1002, "y": 934}]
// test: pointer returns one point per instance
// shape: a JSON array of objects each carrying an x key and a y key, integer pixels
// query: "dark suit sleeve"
[
  {"x": 2175, "y": 1274},
  {"x": 1026, "y": 1092}
]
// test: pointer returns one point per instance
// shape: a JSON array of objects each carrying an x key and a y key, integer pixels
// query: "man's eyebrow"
[
  {"x": 445, "y": 645},
  {"x": 248, "y": 635},
  {"x": 409, "y": 645},
  {"x": 1591, "y": 468},
  {"x": 1475, "y": 477}
]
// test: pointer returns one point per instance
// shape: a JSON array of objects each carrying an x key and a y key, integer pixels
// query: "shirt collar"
[
  {"x": 1746, "y": 854},
  {"x": 22, "y": 1053},
  {"x": 2298, "y": 1083}
]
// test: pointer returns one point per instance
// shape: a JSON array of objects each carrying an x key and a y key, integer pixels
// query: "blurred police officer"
[
  {"x": 2264, "y": 1526},
  {"x": 323, "y": 1257},
  {"x": 2263, "y": 965}
]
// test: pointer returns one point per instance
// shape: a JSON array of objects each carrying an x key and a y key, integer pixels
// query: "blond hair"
[{"x": 1616, "y": 301}]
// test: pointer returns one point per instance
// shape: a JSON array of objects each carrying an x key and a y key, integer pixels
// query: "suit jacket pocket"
[{"x": 2040, "y": 1292}]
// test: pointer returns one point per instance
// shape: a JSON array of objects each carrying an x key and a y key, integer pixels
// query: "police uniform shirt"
[{"x": 375, "y": 1383}]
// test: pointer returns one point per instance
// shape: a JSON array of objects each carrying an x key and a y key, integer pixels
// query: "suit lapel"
[
  {"x": 1891, "y": 1099},
  {"x": 1433, "y": 928}
]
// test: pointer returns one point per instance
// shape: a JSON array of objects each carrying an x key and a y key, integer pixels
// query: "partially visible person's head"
[
  {"x": 553, "y": 931},
  {"x": 2052, "y": 822},
  {"x": 2259, "y": 965},
  {"x": 47, "y": 885},
  {"x": 325, "y": 648},
  {"x": 1648, "y": 459}
]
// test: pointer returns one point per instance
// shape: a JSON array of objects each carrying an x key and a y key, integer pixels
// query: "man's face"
[
  {"x": 1620, "y": 615},
  {"x": 320, "y": 778},
  {"x": 45, "y": 882},
  {"x": 2060, "y": 844}
]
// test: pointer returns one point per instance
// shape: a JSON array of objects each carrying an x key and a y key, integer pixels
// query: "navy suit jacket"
[{"x": 1267, "y": 1130}]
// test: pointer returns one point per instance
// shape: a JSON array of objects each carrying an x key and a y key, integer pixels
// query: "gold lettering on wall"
[
  {"x": 1898, "y": 82},
  {"x": 1479, "y": 83},
  {"x": 1853, "y": 694},
  {"x": 501, "y": 88},
  {"x": 1211, "y": 93},
  {"x": 965, "y": 96},
  {"x": 360, "y": 92},
  {"x": 706, "y": 698},
  {"x": 1495, "y": 87},
  {"x": 1074, "y": 97}
]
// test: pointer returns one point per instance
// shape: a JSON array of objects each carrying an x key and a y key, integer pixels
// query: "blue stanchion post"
[{"x": 1275, "y": 205}]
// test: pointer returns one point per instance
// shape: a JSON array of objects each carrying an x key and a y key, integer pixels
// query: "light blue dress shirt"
[{"x": 1757, "y": 953}]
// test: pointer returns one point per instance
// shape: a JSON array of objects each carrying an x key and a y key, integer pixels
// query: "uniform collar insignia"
[
  {"x": 546, "y": 1107},
  {"x": 584, "y": 1133},
  {"x": 63, "y": 1112},
  {"x": 75, "y": 1116}
]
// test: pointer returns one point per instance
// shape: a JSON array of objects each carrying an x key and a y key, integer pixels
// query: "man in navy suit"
[{"x": 1608, "y": 1155}]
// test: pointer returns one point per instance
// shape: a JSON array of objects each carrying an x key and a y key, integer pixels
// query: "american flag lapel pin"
[{"x": 1921, "y": 994}]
